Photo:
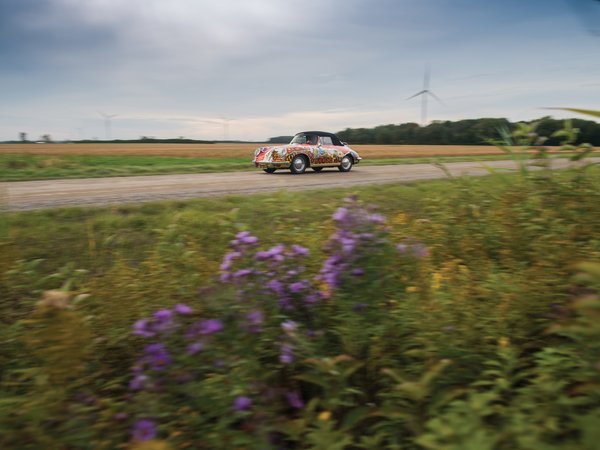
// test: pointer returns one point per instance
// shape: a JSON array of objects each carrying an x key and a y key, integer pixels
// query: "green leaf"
[{"x": 587, "y": 112}]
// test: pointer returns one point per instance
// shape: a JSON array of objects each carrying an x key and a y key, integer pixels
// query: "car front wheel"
[
  {"x": 299, "y": 164},
  {"x": 346, "y": 164}
]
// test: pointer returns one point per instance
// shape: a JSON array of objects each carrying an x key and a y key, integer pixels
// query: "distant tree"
[
  {"x": 280, "y": 139},
  {"x": 23, "y": 136},
  {"x": 46, "y": 138}
]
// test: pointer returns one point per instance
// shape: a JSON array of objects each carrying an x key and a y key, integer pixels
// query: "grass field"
[{"x": 51, "y": 161}]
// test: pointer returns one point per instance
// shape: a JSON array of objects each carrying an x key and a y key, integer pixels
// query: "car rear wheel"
[
  {"x": 299, "y": 164},
  {"x": 317, "y": 169},
  {"x": 270, "y": 170},
  {"x": 346, "y": 164}
]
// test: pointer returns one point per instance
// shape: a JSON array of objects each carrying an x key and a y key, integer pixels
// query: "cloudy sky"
[{"x": 252, "y": 69}]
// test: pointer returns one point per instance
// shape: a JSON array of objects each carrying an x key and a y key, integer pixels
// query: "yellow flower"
[
  {"x": 400, "y": 219},
  {"x": 504, "y": 342},
  {"x": 151, "y": 445},
  {"x": 436, "y": 281},
  {"x": 411, "y": 289},
  {"x": 325, "y": 415}
]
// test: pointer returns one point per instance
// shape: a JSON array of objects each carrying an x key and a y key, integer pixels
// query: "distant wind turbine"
[
  {"x": 107, "y": 118},
  {"x": 226, "y": 127},
  {"x": 424, "y": 93}
]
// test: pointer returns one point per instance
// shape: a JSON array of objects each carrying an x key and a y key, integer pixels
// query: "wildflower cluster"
[
  {"x": 275, "y": 314},
  {"x": 359, "y": 238}
]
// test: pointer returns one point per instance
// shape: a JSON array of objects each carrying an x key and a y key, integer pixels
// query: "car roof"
[{"x": 319, "y": 133}]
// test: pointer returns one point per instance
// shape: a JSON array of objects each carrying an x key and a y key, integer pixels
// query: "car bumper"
[{"x": 271, "y": 165}]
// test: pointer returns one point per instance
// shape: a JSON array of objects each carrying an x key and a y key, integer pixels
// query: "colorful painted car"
[{"x": 314, "y": 149}]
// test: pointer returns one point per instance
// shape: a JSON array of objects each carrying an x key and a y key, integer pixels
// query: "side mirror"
[{"x": 344, "y": 143}]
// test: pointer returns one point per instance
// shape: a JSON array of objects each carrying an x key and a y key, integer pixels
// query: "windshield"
[{"x": 304, "y": 139}]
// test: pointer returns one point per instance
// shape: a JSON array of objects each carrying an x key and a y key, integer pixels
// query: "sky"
[{"x": 254, "y": 69}]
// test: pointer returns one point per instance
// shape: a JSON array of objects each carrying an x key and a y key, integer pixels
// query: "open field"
[
  {"x": 54, "y": 161},
  {"x": 237, "y": 150}
]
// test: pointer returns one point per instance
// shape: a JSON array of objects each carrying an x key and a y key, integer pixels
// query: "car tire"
[
  {"x": 270, "y": 170},
  {"x": 299, "y": 164},
  {"x": 346, "y": 164},
  {"x": 317, "y": 169}
]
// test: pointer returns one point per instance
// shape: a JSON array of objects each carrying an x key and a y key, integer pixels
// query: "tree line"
[{"x": 463, "y": 132}]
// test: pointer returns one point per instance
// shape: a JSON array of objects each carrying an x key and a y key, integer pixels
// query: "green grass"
[{"x": 33, "y": 167}]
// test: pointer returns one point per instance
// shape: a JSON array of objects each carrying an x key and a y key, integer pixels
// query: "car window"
[
  {"x": 326, "y": 140},
  {"x": 299, "y": 139}
]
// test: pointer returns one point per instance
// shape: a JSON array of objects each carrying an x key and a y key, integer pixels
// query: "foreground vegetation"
[{"x": 443, "y": 315}]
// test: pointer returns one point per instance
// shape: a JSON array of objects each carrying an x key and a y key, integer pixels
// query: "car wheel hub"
[{"x": 299, "y": 164}]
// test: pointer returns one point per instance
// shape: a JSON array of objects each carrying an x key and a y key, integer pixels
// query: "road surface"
[{"x": 31, "y": 195}]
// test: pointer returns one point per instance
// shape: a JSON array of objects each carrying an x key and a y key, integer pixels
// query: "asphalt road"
[{"x": 31, "y": 195}]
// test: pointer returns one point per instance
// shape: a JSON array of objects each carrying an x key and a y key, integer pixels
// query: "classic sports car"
[{"x": 314, "y": 149}]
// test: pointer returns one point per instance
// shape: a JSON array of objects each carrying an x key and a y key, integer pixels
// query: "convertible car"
[{"x": 314, "y": 149}]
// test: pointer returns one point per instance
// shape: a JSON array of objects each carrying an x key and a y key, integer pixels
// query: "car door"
[{"x": 331, "y": 153}]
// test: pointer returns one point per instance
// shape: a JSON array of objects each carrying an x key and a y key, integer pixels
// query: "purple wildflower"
[
  {"x": 242, "y": 273},
  {"x": 311, "y": 299},
  {"x": 376, "y": 218},
  {"x": 285, "y": 303},
  {"x": 358, "y": 272},
  {"x": 163, "y": 319},
  {"x": 163, "y": 315},
  {"x": 183, "y": 309},
  {"x": 242, "y": 403},
  {"x": 262, "y": 255},
  {"x": 210, "y": 326},
  {"x": 287, "y": 354},
  {"x": 254, "y": 321},
  {"x": 299, "y": 250},
  {"x": 144, "y": 430},
  {"x": 276, "y": 286},
  {"x": 141, "y": 328},
  {"x": 225, "y": 277},
  {"x": 289, "y": 326},
  {"x": 245, "y": 238},
  {"x": 420, "y": 250},
  {"x": 340, "y": 215},
  {"x": 298, "y": 286},
  {"x": 138, "y": 382},
  {"x": 195, "y": 347},
  {"x": 402, "y": 248},
  {"x": 157, "y": 356},
  {"x": 294, "y": 400}
]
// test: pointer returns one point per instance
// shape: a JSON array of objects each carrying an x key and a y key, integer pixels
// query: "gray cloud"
[{"x": 271, "y": 65}]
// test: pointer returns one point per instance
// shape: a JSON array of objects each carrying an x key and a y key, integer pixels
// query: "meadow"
[
  {"x": 447, "y": 315},
  {"x": 21, "y": 162}
]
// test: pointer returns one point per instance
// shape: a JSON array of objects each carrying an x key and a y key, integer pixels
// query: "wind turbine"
[
  {"x": 226, "y": 121},
  {"x": 107, "y": 118},
  {"x": 424, "y": 93}
]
